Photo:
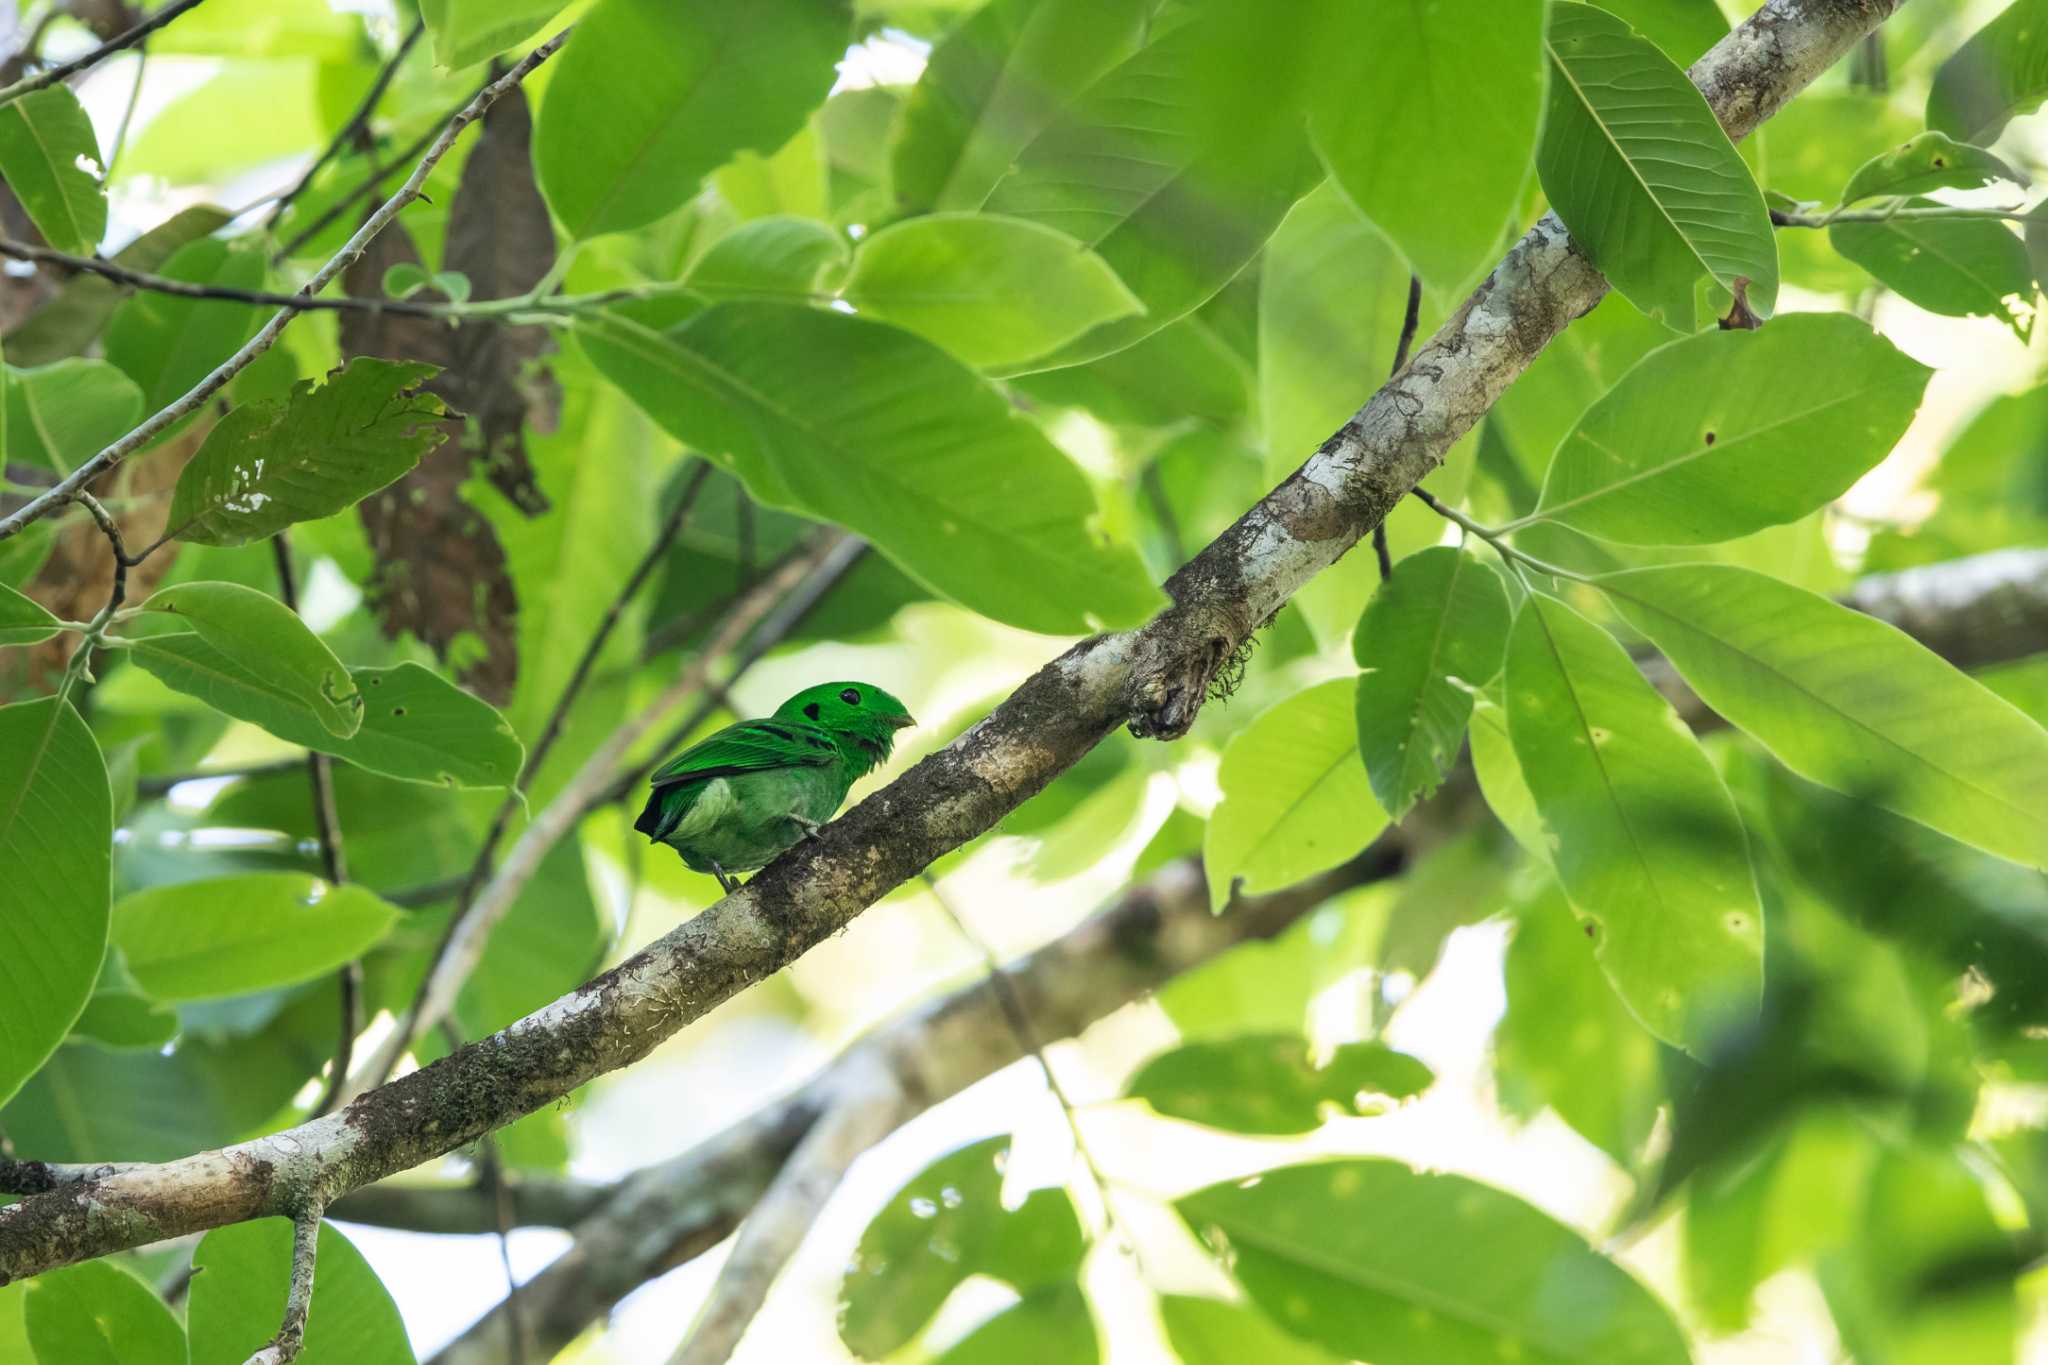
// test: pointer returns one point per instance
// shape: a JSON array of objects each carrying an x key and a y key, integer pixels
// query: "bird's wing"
[{"x": 749, "y": 746}]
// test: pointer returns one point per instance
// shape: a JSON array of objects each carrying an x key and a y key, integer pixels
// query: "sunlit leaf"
[
  {"x": 23, "y": 622},
  {"x": 100, "y": 1314},
  {"x": 1931, "y": 161},
  {"x": 50, "y": 157},
  {"x": 467, "y": 31},
  {"x": 1958, "y": 267},
  {"x": 225, "y": 936},
  {"x": 1999, "y": 74},
  {"x": 1048, "y": 1327},
  {"x": 272, "y": 652},
  {"x": 60, "y": 415},
  {"x": 1213, "y": 1332},
  {"x": 1273, "y": 1084},
  {"x": 239, "y": 1292}
]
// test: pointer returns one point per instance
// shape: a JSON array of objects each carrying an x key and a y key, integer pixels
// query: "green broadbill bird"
[{"x": 732, "y": 802}]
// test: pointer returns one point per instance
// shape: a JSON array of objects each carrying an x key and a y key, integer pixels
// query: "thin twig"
[
  {"x": 259, "y": 298},
  {"x": 123, "y": 561},
  {"x": 333, "y": 860},
  {"x": 161, "y": 783},
  {"x": 371, "y": 185},
  {"x": 462, "y": 946},
  {"x": 217, "y": 379},
  {"x": 657, "y": 552},
  {"x": 1898, "y": 213},
  {"x": 28, "y": 85},
  {"x": 358, "y": 123},
  {"x": 1410, "y": 319},
  {"x": 120, "y": 142},
  {"x": 491, "y": 1167},
  {"x": 298, "y": 1302}
]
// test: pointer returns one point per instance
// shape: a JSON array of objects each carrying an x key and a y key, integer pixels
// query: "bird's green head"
[{"x": 862, "y": 717}]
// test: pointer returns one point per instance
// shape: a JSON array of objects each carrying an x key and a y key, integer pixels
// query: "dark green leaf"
[
  {"x": 653, "y": 95},
  {"x": 1436, "y": 158},
  {"x": 56, "y": 833},
  {"x": 244, "y": 1271},
  {"x": 271, "y": 651},
  {"x": 1999, "y": 74},
  {"x": 1433, "y": 633},
  {"x": 60, "y": 415},
  {"x": 166, "y": 343},
  {"x": 998, "y": 79},
  {"x": 99, "y": 1314},
  {"x": 1728, "y": 432},
  {"x": 50, "y": 157},
  {"x": 1958, "y": 267},
  {"x": 23, "y": 622},
  {"x": 1271, "y": 1084},
  {"x": 906, "y": 446},
  {"x": 1638, "y": 168},
  {"x": 1931, "y": 161},
  {"x": 277, "y": 461},
  {"x": 1643, "y": 834},
  {"x": 948, "y": 1223},
  {"x": 227, "y": 936},
  {"x": 1332, "y": 1252}
]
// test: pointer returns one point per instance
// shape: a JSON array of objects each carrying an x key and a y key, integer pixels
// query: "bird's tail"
[{"x": 660, "y": 815}]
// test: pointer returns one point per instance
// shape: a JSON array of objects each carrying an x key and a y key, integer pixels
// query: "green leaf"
[
  {"x": 1175, "y": 167},
  {"x": 238, "y": 1296},
  {"x": 946, "y": 1224},
  {"x": 549, "y": 943},
  {"x": 99, "y": 1314},
  {"x": 1433, "y": 633},
  {"x": 1682, "y": 29},
  {"x": 230, "y": 935},
  {"x": 1638, "y": 168},
  {"x": 1725, "y": 433},
  {"x": 56, "y": 837},
  {"x": 1931, "y": 161},
  {"x": 996, "y": 292},
  {"x": 123, "y": 1019},
  {"x": 1568, "y": 1042},
  {"x": 1999, "y": 74},
  {"x": 1500, "y": 778},
  {"x": 419, "y": 726},
  {"x": 465, "y": 32},
  {"x": 1212, "y": 1332},
  {"x": 1644, "y": 836},
  {"x": 778, "y": 254},
  {"x": 22, "y": 621},
  {"x": 1436, "y": 158},
  {"x": 1295, "y": 797},
  {"x": 1958, "y": 267},
  {"x": 166, "y": 343},
  {"x": 993, "y": 83},
  {"x": 905, "y": 446},
  {"x": 1271, "y": 1084},
  {"x": 277, "y": 461},
  {"x": 72, "y": 321},
  {"x": 650, "y": 96},
  {"x": 60, "y": 415},
  {"x": 1331, "y": 1251},
  {"x": 50, "y": 158},
  {"x": 272, "y": 650},
  {"x": 1849, "y": 701},
  {"x": 1048, "y": 1327}
]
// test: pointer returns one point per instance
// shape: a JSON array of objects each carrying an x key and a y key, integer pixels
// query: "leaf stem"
[{"x": 1496, "y": 536}]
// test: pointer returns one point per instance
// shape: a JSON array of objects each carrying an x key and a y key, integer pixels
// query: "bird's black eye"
[{"x": 851, "y": 696}]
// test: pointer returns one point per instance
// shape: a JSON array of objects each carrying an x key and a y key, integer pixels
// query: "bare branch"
[
  {"x": 44, "y": 503},
  {"x": 357, "y": 126},
  {"x": 298, "y": 1300},
  {"x": 185, "y": 289},
  {"x": 28, "y": 85},
  {"x": 1153, "y": 679}
]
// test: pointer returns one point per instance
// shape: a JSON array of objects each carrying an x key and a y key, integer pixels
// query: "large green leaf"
[
  {"x": 238, "y": 1295},
  {"x": 1295, "y": 797},
  {"x": 1212, "y": 1332},
  {"x": 467, "y": 31},
  {"x": 1271, "y": 1084},
  {"x": 72, "y": 321},
  {"x": 270, "y": 646},
  {"x": 946, "y": 1224},
  {"x": 1643, "y": 834},
  {"x": 166, "y": 343},
  {"x": 276, "y": 461},
  {"x": 1958, "y": 267},
  {"x": 905, "y": 446},
  {"x": 1175, "y": 166},
  {"x": 22, "y": 621},
  {"x": 1999, "y": 74},
  {"x": 996, "y": 80},
  {"x": 230, "y": 935},
  {"x": 1682, "y": 29},
  {"x": 1050, "y": 1326},
  {"x": 1434, "y": 632},
  {"x": 1849, "y": 701},
  {"x": 1931, "y": 161},
  {"x": 772, "y": 256},
  {"x": 45, "y": 135},
  {"x": 1437, "y": 155},
  {"x": 100, "y": 1314},
  {"x": 60, "y": 415},
  {"x": 1331, "y": 1251},
  {"x": 56, "y": 837},
  {"x": 1638, "y": 168},
  {"x": 995, "y": 291},
  {"x": 1725, "y": 433},
  {"x": 650, "y": 96}
]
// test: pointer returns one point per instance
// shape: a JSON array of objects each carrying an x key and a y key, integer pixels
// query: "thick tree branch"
[
  {"x": 44, "y": 503},
  {"x": 1153, "y": 679}
]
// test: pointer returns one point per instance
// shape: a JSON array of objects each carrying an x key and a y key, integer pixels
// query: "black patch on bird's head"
[{"x": 812, "y": 710}]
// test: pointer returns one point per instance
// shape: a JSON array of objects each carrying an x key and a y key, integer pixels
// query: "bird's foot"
[
  {"x": 810, "y": 828},
  {"x": 726, "y": 881}
]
